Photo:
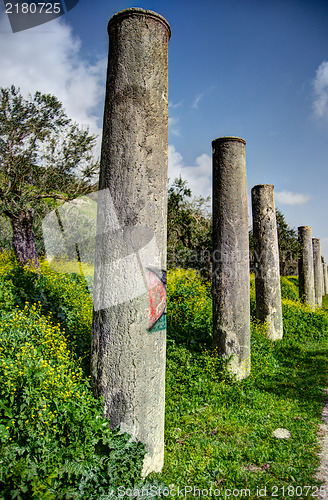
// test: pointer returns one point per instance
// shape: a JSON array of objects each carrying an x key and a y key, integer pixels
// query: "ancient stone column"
[
  {"x": 325, "y": 278},
  {"x": 317, "y": 263},
  {"x": 305, "y": 266},
  {"x": 266, "y": 257},
  {"x": 324, "y": 281},
  {"x": 231, "y": 301},
  {"x": 129, "y": 322}
]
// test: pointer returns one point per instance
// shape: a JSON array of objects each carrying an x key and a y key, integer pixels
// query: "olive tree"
[{"x": 45, "y": 159}]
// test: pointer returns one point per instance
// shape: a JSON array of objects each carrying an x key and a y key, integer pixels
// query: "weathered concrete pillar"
[
  {"x": 305, "y": 266},
  {"x": 266, "y": 256},
  {"x": 317, "y": 263},
  {"x": 231, "y": 301},
  {"x": 129, "y": 323}
]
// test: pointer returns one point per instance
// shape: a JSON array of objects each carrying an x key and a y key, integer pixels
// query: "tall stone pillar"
[
  {"x": 231, "y": 301},
  {"x": 129, "y": 322},
  {"x": 317, "y": 263},
  {"x": 325, "y": 278},
  {"x": 305, "y": 266},
  {"x": 266, "y": 256}
]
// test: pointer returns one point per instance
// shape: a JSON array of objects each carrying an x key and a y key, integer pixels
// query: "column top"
[
  {"x": 138, "y": 11},
  {"x": 227, "y": 139},
  {"x": 258, "y": 186},
  {"x": 304, "y": 227}
]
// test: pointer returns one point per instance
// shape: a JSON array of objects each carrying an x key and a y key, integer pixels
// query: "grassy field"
[{"x": 218, "y": 433}]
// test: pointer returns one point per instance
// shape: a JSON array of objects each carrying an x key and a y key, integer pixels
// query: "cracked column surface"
[
  {"x": 317, "y": 264},
  {"x": 231, "y": 294},
  {"x": 266, "y": 256},
  {"x": 305, "y": 266},
  {"x": 129, "y": 322}
]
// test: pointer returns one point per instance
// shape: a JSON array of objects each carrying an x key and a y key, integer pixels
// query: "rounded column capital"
[
  {"x": 263, "y": 186},
  {"x": 138, "y": 11},
  {"x": 220, "y": 140}
]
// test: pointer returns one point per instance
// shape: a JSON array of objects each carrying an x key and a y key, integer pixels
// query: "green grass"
[{"x": 218, "y": 432}]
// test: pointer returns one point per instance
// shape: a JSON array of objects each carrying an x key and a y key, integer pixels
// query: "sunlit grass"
[
  {"x": 65, "y": 265},
  {"x": 219, "y": 432}
]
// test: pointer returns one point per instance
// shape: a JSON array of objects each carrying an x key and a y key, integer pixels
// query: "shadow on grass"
[{"x": 302, "y": 373}]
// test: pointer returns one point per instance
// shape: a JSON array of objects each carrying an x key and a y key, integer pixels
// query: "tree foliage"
[
  {"x": 189, "y": 229},
  {"x": 190, "y": 234},
  {"x": 288, "y": 246},
  {"x": 44, "y": 158}
]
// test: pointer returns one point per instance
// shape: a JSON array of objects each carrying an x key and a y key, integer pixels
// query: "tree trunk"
[{"x": 23, "y": 238}]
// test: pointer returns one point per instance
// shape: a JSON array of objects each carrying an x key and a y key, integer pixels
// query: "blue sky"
[{"x": 249, "y": 68}]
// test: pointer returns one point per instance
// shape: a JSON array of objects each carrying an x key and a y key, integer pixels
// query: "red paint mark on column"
[{"x": 156, "y": 296}]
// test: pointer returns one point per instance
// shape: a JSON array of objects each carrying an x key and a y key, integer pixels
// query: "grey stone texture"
[
  {"x": 322, "y": 472},
  {"x": 266, "y": 256},
  {"x": 325, "y": 277},
  {"x": 231, "y": 294},
  {"x": 305, "y": 266},
  {"x": 318, "y": 277},
  {"x": 128, "y": 358}
]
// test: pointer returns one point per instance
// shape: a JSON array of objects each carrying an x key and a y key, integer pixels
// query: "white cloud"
[
  {"x": 48, "y": 58},
  {"x": 199, "y": 176},
  {"x": 320, "y": 84},
  {"x": 290, "y": 198},
  {"x": 173, "y": 105},
  {"x": 196, "y": 101},
  {"x": 174, "y": 126}
]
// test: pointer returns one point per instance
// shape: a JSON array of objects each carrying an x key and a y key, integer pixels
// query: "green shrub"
[
  {"x": 7, "y": 295},
  {"x": 66, "y": 296},
  {"x": 289, "y": 287},
  {"x": 7, "y": 261},
  {"x": 54, "y": 441},
  {"x": 303, "y": 324},
  {"x": 189, "y": 308}
]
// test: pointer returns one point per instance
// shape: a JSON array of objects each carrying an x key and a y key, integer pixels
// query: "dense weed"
[
  {"x": 189, "y": 308},
  {"x": 54, "y": 442},
  {"x": 218, "y": 432},
  {"x": 65, "y": 295}
]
